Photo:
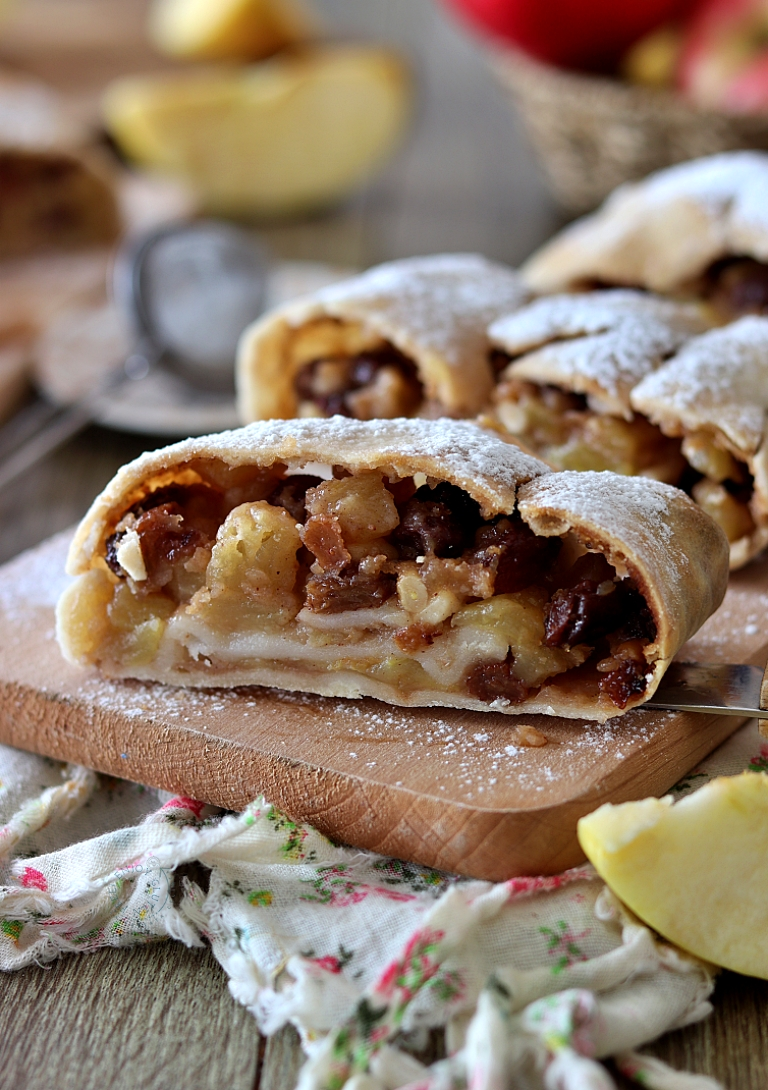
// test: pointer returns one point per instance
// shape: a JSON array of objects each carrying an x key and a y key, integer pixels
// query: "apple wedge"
[
  {"x": 695, "y": 871},
  {"x": 227, "y": 29},
  {"x": 288, "y": 135}
]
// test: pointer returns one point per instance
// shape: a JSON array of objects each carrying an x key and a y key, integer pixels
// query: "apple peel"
[{"x": 696, "y": 871}]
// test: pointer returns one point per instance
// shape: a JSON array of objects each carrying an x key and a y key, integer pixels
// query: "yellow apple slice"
[
  {"x": 288, "y": 135},
  {"x": 695, "y": 871},
  {"x": 227, "y": 29}
]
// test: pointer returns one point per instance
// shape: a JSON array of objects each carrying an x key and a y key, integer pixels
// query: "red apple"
[
  {"x": 572, "y": 33},
  {"x": 724, "y": 61},
  {"x": 748, "y": 93}
]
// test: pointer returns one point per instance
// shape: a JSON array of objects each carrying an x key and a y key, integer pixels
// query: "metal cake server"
[{"x": 718, "y": 689}]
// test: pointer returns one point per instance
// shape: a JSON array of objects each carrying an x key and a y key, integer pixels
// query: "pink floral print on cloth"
[{"x": 535, "y": 980}]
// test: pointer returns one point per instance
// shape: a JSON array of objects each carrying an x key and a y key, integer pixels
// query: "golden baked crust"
[
  {"x": 629, "y": 382},
  {"x": 714, "y": 394},
  {"x": 434, "y": 310},
  {"x": 441, "y": 636},
  {"x": 663, "y": 232},
  {"x": 451, "y": 450},
  {"x": 600, "y": 343},
  {"x": 647, "y": 529}
]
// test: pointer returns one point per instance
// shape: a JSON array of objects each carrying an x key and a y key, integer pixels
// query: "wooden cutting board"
[{"x": 449, "y": 789}]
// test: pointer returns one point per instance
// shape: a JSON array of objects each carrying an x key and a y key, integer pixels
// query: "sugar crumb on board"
[{"x": 491, "y": 764}]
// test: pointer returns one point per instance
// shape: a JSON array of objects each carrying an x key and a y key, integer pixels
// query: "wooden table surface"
[{"x": 161, "y": 1016}]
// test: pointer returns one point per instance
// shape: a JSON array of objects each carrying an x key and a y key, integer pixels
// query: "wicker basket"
[{"x": 592, "y": 133}]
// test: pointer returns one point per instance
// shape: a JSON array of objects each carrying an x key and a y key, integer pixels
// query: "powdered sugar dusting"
[
  {"x": 445, "y": 302},
  {"x": 604, "y": 340},
  {"x": 733, "y": 184},
  {"x": 32, "y": 580},
  {"x": 464, "y": 448},
  {"x": 718, "y": 380},
  {"x": 443, "y": 755},
  {"x": 456, "y": 450},
  {"x": 633, "y": 510},
  {"x": 666, "y": 230}
]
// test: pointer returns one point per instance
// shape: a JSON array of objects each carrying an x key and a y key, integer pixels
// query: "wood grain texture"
[
  {"x": 282, "y": 1061},
  {"x": 444, "y": 788},
  {"x": 151, "y": 1017},
  {"x": 464, "y": 180}
]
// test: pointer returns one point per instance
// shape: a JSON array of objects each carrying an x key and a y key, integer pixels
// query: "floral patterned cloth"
[{"x": 534, "y": 979}]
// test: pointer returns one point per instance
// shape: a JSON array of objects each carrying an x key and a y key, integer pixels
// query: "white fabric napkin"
[{"x": 535, "y": 979}]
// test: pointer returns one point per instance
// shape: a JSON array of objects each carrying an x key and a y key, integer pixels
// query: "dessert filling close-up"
[
  {"x": 398, "y": 580},
  {"x": 560, "y": 427},
  {"x": 378, "y": 383}
]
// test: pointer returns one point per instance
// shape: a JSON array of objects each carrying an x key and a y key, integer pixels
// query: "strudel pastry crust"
[
  {"x": 627, "y": 382},
  {"x": 599, "y": 344},
  {"x": 714, "y": 395},
  {"x": 570, "y": 363},
  {"x": 674, "y": 230},
  {"x": 403, "y": 339},
  {"x": 421, "y": 562}
]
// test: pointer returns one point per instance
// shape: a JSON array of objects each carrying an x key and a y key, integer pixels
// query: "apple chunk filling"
[
  {"x": 379, "y": 383},
  {"x": 560, "y": 427},
  {"x": 399, "y": 579}
]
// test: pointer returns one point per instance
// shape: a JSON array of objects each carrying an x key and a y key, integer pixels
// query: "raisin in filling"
[
  {"x": 325, "y": 540},
  {"x": 361, "y": 535},
  {"x": 737, "y": 286},
  {"x": 440, "y": 521},
  {"x": 166, "y": 540},
  {"x": 514, "y": 553},
  {"x": 495, "y": 681},
  {"x": 590, "y": 610},
  {"x": 201, "y": 506},
  {"x": 381, "y": 382},
  {"x": 625, "y": 681},
  {"x": 171, "y": 523},
  {"x": 348, "y": 590},
  {"x": 292, "y": 495}
]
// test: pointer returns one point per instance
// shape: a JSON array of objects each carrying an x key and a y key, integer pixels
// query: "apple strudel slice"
[
  {"x": 568, "y": 364},
  {"x": 713, "y": 397},
  {"x": 406, "y": 338},
  {"x": 425, "y": 563},
  {"x": 698, "y": 228},
  {"x": 616, "y": 380}
]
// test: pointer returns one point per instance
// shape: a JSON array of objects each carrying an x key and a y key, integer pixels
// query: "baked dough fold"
[
  {"x": 405, "y": 338},
  {"x": 600, "y": 344},
  {"x": 714, "y": 396},
  {"x": 572, "y": 362},
  {"x": 425, "y": 563},
  {"x": 617, "y": 380},
  {"x": 669, "y": 230}
]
